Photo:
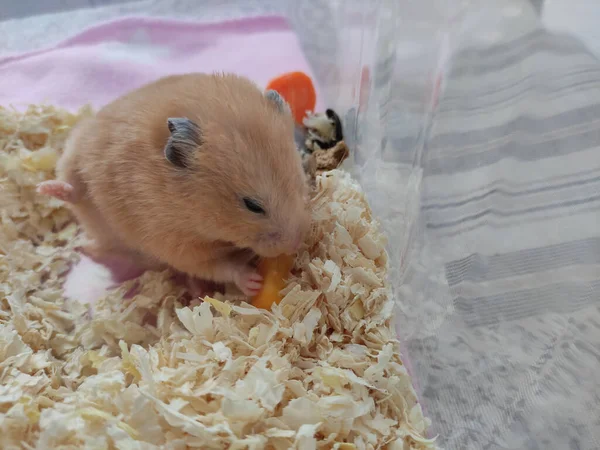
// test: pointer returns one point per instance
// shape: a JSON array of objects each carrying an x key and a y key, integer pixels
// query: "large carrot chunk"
[
  {"x": 275, "y": 272},
  {"x": 298, "y": 90}
]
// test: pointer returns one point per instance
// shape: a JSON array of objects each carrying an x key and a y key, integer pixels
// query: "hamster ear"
[
  {"x": 278, "y": 101},
  {"x": 185, "y": 138}
]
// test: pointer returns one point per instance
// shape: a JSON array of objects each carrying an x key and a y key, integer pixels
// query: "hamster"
[{"x": 195, "y": 172}]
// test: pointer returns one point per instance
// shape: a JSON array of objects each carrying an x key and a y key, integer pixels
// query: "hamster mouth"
[
  {"x": 273, "y": 244},
  {"x": 268, "y": 249},
  {"x": 277, "y": 251}
]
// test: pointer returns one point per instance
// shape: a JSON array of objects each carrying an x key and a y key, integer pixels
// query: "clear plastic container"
[
  {"x": 381, "y": 66},
  {"x": 515, "y": 366}
]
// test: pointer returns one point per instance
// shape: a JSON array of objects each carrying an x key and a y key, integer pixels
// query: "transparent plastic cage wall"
[
  {"x": 380, "y": 65},
  {"x": 520, "y": 369}
]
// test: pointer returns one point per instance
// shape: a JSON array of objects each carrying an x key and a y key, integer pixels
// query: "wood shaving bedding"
[
  {"x": 331, "y": 158},
  {"x": 322, "y": 371}
]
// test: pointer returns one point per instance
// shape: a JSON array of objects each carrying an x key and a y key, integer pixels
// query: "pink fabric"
[{"x": 105, "y": 61}]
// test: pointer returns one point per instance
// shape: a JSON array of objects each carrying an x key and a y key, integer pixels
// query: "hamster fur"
[{"x": 196, "y": 172}]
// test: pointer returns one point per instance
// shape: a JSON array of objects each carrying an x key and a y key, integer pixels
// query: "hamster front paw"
[{"x": 248, "y": 280}]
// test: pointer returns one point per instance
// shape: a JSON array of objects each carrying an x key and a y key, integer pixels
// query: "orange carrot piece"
[
  {"x": 275, "y": 272},
  {"x": 298, "y": 90}
]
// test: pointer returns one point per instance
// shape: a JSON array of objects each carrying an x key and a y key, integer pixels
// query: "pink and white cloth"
[{"x": 105, "y": 61}]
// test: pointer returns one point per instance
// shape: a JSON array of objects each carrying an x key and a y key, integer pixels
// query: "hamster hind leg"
[
  {"x": 123, "y": 266},
  {"x": 106, "y": 249},
  {"x": 58, "y": 189},
  {"x": 68, "y": 185}
]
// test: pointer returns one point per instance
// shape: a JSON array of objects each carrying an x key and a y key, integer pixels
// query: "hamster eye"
[{"x": 253, "y": 206}]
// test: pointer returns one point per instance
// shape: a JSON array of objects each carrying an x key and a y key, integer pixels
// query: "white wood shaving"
[{"x": 321, "y": 371}]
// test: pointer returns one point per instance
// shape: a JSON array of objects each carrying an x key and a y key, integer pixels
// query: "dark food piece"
[
  {"x": 339, "y": 135},
  {"x": 321, "y": 144},
  {"x": 323, "y": 131}
]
